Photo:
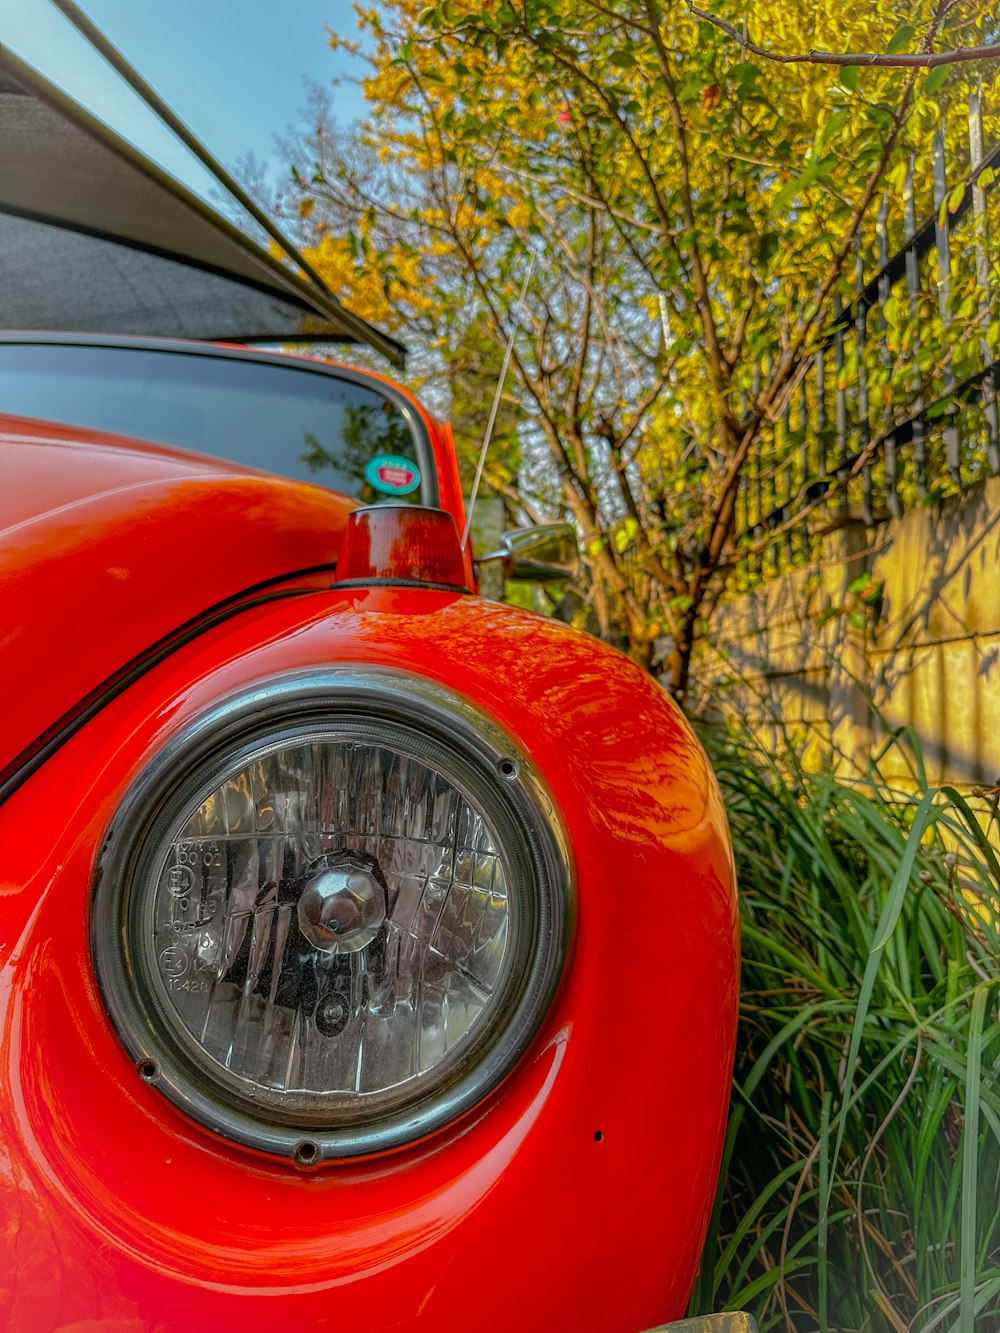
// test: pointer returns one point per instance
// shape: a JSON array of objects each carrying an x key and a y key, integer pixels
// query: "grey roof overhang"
[{"x": 96, "y": 238}]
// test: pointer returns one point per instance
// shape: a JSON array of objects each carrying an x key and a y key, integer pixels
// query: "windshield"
[{"x": 323, "y": 426}]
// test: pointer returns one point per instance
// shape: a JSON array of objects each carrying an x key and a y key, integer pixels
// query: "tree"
[{"x": 693, "y": 214}]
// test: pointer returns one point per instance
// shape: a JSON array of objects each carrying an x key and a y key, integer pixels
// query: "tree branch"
[
  {"x": 898, "y": 60},
  {"x": 718, "y": 367}
]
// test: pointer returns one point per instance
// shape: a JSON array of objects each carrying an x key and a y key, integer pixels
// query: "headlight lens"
[{"x": 331, "y": 917}]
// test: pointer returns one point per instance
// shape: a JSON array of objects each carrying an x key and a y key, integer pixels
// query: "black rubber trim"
[
  {"x": 400, "y": 583},
  {"x": 23, "y": 765}
]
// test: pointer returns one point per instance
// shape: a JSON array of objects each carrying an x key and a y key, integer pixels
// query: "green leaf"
[
  {"x": 900, "y": 39},
  {"x": 767, "y": 247},
  {"x": 824, "y": 168},
  {"x": 789, "y": 191},
  {"x": 625, "y": 535},
  {"x": 886, "y": 926},
  {"x": 970, "y": 1162},
  {"x": 968, "y": 308},
  {"x": 745, "y": 76},
  {"x": 936, "y": 79},
  {"x": 849, "y": 77},
  {"x": 833, "y": 125}
]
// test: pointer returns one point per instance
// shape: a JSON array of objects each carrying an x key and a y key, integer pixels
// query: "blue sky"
[{"x": 233, "y": 70}]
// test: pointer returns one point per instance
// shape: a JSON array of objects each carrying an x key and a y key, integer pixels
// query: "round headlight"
[{"x": 331, "y": 916}]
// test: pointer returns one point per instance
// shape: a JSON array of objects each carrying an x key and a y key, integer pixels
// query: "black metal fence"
[{"x": 899, "y": 401}]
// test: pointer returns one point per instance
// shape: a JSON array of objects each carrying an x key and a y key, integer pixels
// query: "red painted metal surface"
[
  {"x": 577, "y": 1196},
  {"x": 106, "y": 545}
]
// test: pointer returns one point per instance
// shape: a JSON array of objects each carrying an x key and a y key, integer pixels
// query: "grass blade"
[
  {"x": 970, "y": 1164},
  {"x": 887, "y": 924}
]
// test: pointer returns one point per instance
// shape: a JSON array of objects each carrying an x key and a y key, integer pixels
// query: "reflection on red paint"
[{"x": 125, "y": 1210}]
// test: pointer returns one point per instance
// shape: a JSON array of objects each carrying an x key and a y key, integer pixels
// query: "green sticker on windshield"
[{"x": 392, "y": 474}]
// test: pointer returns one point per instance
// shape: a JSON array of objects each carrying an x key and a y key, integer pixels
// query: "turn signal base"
[{"x": 402, "y": 544}]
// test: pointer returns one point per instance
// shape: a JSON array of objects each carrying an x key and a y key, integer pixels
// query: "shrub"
[{"x": 861, "y": 1175}]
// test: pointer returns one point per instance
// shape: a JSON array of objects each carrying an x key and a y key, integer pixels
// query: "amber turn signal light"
[{"x": 408, "y": 544}]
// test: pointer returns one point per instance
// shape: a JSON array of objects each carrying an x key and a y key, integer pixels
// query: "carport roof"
[{"x": 95, "y": 238}]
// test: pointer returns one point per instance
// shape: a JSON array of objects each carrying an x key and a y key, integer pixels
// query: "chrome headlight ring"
[{"x": 332, "y": 913}]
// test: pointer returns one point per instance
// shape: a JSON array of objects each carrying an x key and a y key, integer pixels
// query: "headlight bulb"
[{"x": 342, "y": 905}]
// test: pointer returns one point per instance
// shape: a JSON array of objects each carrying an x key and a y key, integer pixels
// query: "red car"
[{"x": 368, "y": 949}]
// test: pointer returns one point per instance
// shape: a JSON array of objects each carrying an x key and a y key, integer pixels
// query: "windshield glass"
[{"x": 312, "y": 425}]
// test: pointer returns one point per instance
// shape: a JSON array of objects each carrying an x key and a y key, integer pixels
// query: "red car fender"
[
  {"x": 107, "y": 545},
  {"x": 577, "y": 1195}
]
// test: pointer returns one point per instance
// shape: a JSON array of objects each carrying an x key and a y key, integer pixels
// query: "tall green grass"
[{"x": 861, "y": 1179}]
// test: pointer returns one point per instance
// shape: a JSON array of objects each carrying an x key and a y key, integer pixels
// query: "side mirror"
[{"x": 540, "y": 555}]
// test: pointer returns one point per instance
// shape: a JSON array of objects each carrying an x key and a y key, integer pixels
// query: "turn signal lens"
[{"x": 402, "y": 544}]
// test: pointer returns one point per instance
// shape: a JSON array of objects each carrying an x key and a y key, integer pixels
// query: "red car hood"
[{"x": 108, "y": 545}]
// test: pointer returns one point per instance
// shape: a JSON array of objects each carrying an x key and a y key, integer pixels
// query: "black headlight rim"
[{"x": 430, "y": 714}]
